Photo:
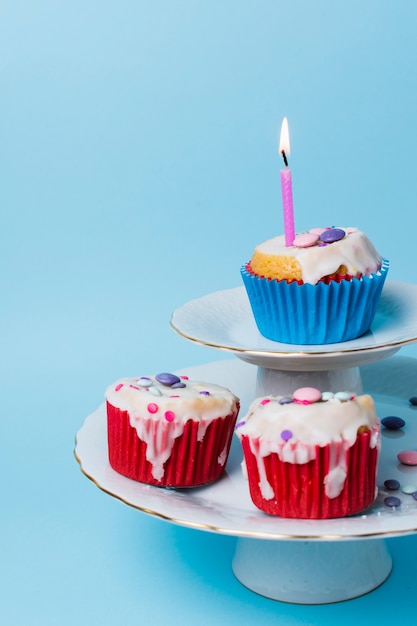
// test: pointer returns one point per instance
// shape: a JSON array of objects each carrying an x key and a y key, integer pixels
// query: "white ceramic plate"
[
  {"x": 224, "y": 320},
  {"x": 225, "y": 505}
]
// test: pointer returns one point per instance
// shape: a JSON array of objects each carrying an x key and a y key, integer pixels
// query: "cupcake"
[
  {"x": 169, "y": 431},
  {"x": 311, "y": 455},
  {"x": 323, "y": 289}
]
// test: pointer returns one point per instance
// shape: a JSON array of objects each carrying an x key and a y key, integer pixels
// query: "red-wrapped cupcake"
[
  {"x": 311, "y": 455},
  {"x": 169, "y": 431}
]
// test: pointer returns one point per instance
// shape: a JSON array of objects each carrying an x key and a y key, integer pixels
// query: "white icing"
[
  {"x": 332, "y": 423},
  {"x": 355, "y": 251},
  {"x": 186, "y": 404}
]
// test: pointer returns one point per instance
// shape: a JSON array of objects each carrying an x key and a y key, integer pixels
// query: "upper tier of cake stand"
[{"x": 224, "y": 320}]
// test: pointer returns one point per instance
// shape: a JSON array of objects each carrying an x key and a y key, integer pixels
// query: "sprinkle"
[
  {"x": 174, "y": 396},
  {"x": 286, "y": 434},
  {"x": 204, "y": 393},
  {"x": 265, "y": 401},
  {"x": 331, "y": 235},
  {"x": 327, "y": 395},
  {"x": 165, "y": 378},
  {"x": 144, "y": 381},
  {"x": 307, "y": 395},
  {"x": 152, "y": 407},
  {"x": 285, "y": 400},
  {"x": 184, "y": 377},
  {"x": 118, "y": 387},
  {"x": 178, "y": 386},
  {"x": 343, "y": 396},
  {"x": 392, "y": 422},
  {"x": 391, "y": 484},
  {"x": 408, "y": 457},
  {"x": 169, "y": 416},
  {"x": 409, "y": 489},
  {"x": 240, "y": 424},
  {"x": 305, "y": 240},
  {"x": 392, "y": 501},
  {"x": 134, "y": 387}
]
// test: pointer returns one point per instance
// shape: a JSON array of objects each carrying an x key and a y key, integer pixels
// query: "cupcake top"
[
  {"x": 291, "y": 426},
  {"x": 315, "y": 254},
  {"x": 170, "y": 398},
  {"x": 294, "y": 427}
]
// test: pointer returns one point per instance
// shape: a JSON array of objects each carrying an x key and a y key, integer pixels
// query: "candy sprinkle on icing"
[
  {"x": 305, "y": 240},
  {"x": 307, "y": 394},
  {"x": 152, "y": 407},
  {"x": 118, "y": 387},
  {"x": 343, "y": 396},
  {"x": 165, "y": 378},
  {"x": 285, "y": 400},
  {"x": 327, "y": 395},
  {"x": 286, "y": 435},
  {"x": 332, "y": 234},
  {"x": 169, "y": 416},
  {"x": 265, "y": 401},
  {"x": 144, "y": 381}
]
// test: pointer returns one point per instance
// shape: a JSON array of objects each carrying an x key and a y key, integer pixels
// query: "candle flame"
[{"x": 284, "y": 140}]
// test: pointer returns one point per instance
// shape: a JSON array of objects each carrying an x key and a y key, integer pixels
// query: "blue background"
[{"x": 138, "y": 168}]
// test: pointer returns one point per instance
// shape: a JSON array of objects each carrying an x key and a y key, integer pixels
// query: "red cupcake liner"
[
  {"x": 299, "y": 489},
  {"x": 191, "y": 462}
]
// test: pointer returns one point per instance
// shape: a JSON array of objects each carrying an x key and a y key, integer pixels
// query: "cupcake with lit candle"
[
  {"x": 311, "y": 455},
  {"x": 170, "y": 431},
  {"x": 316, "y": 287},
  {"x": 322, "y": 289}
]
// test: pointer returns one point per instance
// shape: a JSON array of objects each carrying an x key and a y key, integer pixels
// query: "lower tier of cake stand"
[
  {"x": 290, "y": 560},
  {"x": 311, "y": 572}
]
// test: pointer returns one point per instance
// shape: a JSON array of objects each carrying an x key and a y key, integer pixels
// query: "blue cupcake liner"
[{"x": 314, "y": 314}]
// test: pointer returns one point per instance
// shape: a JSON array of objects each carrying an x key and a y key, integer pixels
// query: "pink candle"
[{"x": 286, "y": 186}]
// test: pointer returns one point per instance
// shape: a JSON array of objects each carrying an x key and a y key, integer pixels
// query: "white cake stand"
[{"x": 299, "y": 561}]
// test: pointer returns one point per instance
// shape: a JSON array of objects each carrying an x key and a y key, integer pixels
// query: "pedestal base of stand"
[
  {"x": 279, "y": 382},
  {"x": 311, "y": 572}
]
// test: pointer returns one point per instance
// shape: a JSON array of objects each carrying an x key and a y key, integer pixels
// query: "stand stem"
[{"x": 311, "y": 572}]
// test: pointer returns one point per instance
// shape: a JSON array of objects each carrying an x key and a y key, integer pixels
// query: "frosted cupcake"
[
  {"x": 169, "y": 431},
  {"x": 323, "y": 289},
  {"x": 311, "y": 455}
]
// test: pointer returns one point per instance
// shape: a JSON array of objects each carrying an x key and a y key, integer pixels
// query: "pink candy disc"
[
  {"x": 408, "y": 457},
  {"x": 305, "y": 240},
  {"x": 153, "y": 408},
  {"x": 307, "y": 394},
  {"x": 169, "y": 416}
]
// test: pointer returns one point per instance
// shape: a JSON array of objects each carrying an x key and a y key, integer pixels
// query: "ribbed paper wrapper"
[
  {"x": 299, "y": 489},
  {"x": 332, "y": 312},
  {"x": 191, "y": 462}
]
